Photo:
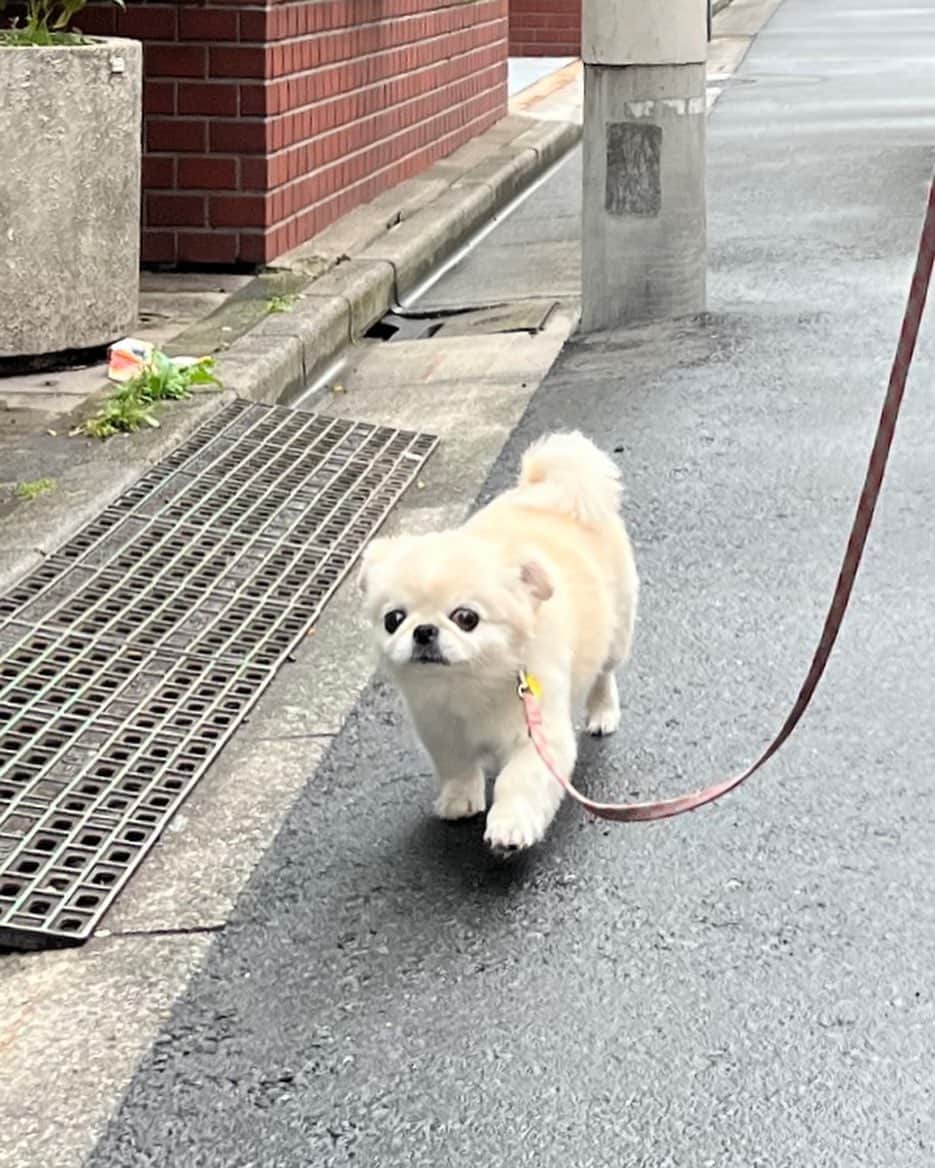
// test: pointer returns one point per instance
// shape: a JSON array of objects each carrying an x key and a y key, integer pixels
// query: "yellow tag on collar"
[{"x": 529, "y": 682}]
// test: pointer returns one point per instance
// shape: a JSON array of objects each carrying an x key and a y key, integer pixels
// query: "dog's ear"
[
  {"x": 536, "y": 581},
  {"x": 374, "y": 552}
]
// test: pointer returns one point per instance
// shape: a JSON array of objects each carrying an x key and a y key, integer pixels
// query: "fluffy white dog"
[{"x": 542, "y": 579}]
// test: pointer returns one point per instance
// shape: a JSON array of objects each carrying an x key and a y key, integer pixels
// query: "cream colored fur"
[{"x": 548, "y": 569}]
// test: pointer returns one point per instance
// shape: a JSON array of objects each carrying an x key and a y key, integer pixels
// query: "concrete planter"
[{"x": 69, "y": 195}]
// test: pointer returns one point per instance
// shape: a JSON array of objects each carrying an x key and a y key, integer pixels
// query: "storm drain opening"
[
  {"x": 130, "y": 656},
  {"x": 522, "y": 316}
]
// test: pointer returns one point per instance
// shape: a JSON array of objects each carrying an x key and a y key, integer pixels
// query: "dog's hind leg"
[
  {"x": 603, "y": 702},
  {"x": 603, "y": 705}
]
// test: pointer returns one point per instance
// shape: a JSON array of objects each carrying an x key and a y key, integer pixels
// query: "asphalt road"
[{"x": 750, "y": 987}]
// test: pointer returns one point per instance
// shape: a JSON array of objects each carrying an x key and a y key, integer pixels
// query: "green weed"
[
  {"x": 134, "y": 404},
  {"x": 30, "y": 491},
  {"x": 46, "y": 23},
  {"x": 280, "y": 304}
]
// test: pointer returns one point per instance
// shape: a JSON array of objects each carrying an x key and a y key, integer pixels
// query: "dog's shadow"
[{"x": 455, "y": 853}]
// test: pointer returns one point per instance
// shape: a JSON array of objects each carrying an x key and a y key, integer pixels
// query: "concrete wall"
[
  {"x": 264, "y": 122},
  {"x": 69, "y": 196}
]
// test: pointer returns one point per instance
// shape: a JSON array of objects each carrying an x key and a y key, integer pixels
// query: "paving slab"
[
  {"x": 524, "y": 72},
  {"x": 71, "y": 1030}
]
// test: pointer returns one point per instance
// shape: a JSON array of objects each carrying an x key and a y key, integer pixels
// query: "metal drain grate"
[{"x": 131, "y": 655}]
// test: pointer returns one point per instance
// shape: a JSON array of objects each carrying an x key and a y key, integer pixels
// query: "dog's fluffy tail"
[{"x": 567, "y": 473}]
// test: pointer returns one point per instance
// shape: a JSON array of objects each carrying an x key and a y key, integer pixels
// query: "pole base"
[{"x": 643, "y": 221}]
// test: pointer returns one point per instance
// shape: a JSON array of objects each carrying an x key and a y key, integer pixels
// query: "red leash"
[{"x": 873, "y": 482}]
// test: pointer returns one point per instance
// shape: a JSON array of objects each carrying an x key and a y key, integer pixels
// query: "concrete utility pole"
[{"x": 643, "y": 223}]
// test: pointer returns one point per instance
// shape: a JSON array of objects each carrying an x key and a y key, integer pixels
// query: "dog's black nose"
[{"x": 425, "y": 634}]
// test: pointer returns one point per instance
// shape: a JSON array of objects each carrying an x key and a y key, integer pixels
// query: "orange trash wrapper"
[{"x": 127, "y": 358}]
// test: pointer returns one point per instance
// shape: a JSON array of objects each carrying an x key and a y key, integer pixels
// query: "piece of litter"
[
  {"x": 420, "y": 485},
  {"x": 337, "y": 389},
  {"x": 127, "y": 358}
]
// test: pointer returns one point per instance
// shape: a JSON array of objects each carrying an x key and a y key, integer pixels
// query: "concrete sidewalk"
[{"x": 750, "y": 986}]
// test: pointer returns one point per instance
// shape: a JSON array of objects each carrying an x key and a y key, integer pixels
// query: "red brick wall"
[
  {"x": 265, "y": 121},
  {"x": 545, "y": 28}
]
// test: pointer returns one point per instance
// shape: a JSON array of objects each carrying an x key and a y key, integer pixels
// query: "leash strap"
[{"x": 873, "y": 482}]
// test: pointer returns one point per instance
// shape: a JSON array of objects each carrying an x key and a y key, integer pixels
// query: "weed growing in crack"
[
  {"x": 280, "y": 304},
  {"x": 32, "y": 490},
  {"x": 134, "y": 404}
]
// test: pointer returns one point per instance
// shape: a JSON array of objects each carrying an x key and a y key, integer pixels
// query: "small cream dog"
[{"x": 543, "y": 579}]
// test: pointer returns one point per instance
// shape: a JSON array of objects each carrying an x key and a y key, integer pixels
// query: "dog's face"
[{"x": 446, "y": 600}]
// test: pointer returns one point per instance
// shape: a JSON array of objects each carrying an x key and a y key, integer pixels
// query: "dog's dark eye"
[
  {"x": 393, "y": 620},
  {"x": 466, "y": 619}
]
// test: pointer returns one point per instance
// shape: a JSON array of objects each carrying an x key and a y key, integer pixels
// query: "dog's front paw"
[
  {"x": 461, "y": 799},
  {"x": 515, "y": 823},
  {"x": 603, "y": 721}
]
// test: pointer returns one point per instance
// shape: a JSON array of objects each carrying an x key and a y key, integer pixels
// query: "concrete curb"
[{"x": 380, "y": 253}]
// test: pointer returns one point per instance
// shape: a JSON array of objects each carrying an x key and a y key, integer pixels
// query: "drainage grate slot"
[{"x": 131, "y": 655}]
